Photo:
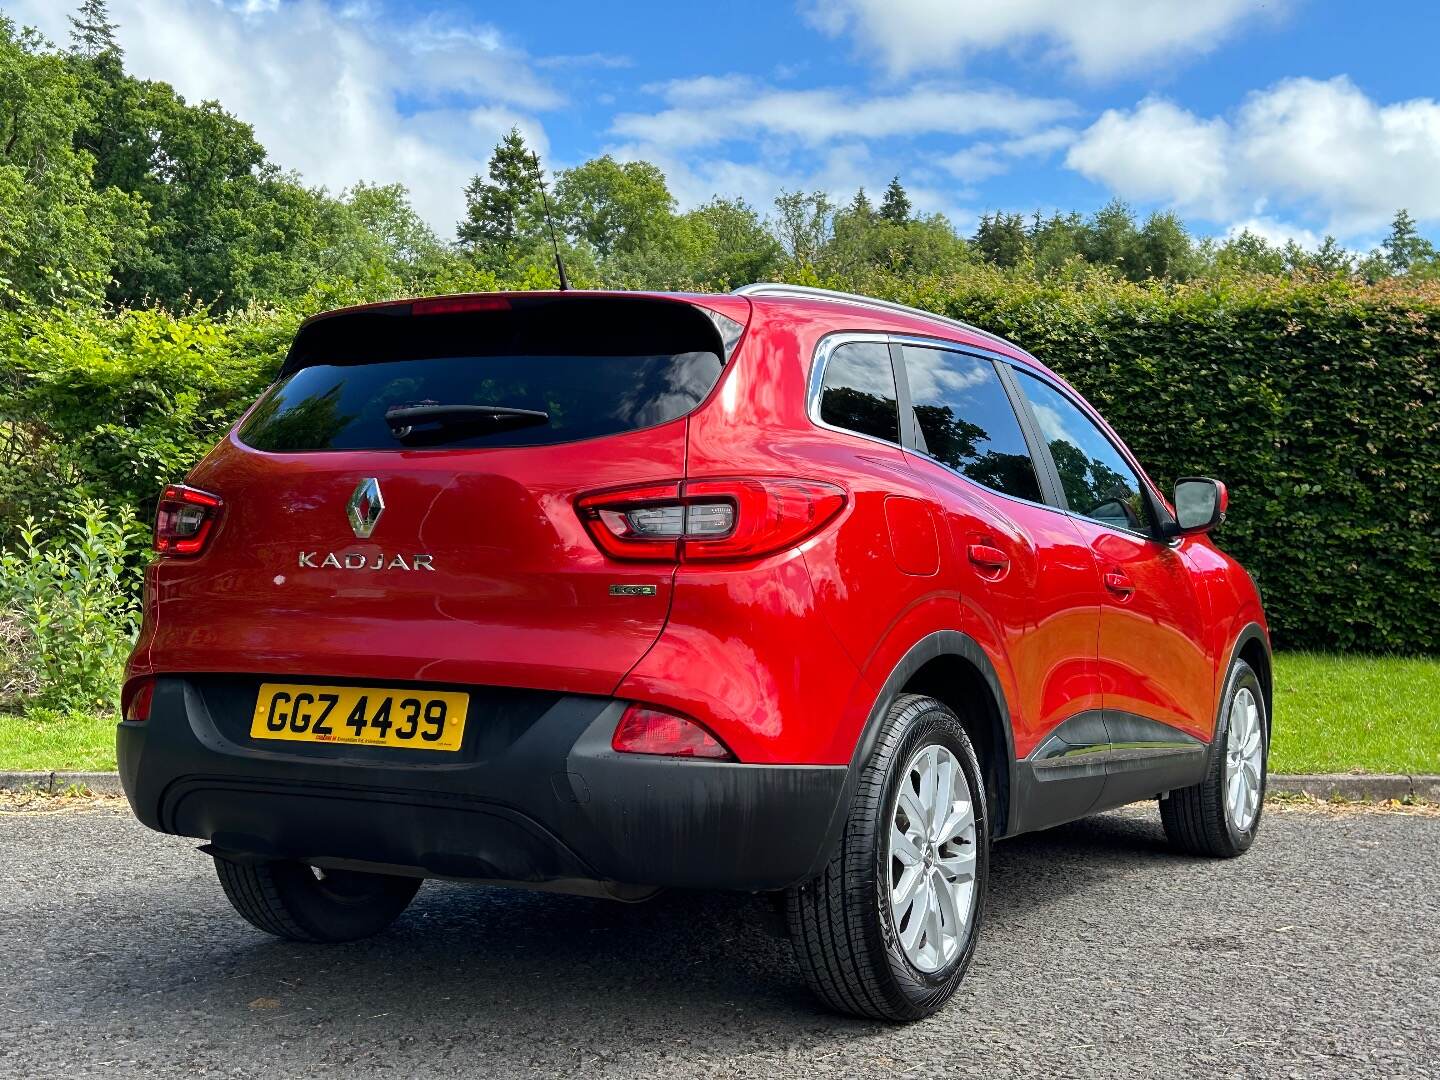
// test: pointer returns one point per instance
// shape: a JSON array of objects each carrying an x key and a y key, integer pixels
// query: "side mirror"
[{"x": 1200, "y": 505}]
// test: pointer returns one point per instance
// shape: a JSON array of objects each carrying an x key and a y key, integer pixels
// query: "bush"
[
  {"x": 112, "y": 406},
  {"x": 70, "y": 603}
]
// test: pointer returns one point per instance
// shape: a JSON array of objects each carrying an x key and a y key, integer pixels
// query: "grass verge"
[
  {"x": 1332, "y": 714},
  {"x": 1356, "y": 713},
  {"x": 46, "y": 740}
]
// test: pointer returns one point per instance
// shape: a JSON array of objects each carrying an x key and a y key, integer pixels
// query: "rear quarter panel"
[{"x": 863, "y": 602}]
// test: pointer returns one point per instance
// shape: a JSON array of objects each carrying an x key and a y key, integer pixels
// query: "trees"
[
  {"x": 61, "y": 233},
  {"x": 118, "y": 186},
  {"x": 1162, "y": 249},
  {"x": 618, "y": 209},
  {"x": 1056, "y": 241},
  {"x": 1109, "y": 238},
  {"x": 729, "y": 244},
  {"x": 895, "y": 206},
  {"x": 92, "y": 39},
  {"x": 1404, "y": 248},
  {"x": 804, "y": 225},
  {"x": 1332, "y": 260},
  {"x": 501, "y": 215},
  {"x": 1001, "y": 239},
  {"x": 862, "y": 240}
]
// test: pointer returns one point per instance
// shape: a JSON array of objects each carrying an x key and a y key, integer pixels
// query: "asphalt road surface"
[{"x": 1318, "y": 954}]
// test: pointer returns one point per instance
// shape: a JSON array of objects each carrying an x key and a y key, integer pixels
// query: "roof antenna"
[{"x": 550, "y": 221}]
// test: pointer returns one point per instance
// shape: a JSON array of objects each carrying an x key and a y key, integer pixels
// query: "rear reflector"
[
  {"x": 138, "y": 698},
  {"x": 731, "y": 519},
  {"x": 184, "y": 519},
  {"x": 644, "y": 730}
]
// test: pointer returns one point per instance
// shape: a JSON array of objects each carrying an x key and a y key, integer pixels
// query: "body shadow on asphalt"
[{"x": 483, "y": 953}]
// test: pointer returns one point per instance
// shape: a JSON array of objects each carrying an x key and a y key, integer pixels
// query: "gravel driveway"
[{"x": 1104, "y": 955}]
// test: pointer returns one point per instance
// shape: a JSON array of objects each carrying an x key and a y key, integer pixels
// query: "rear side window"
[
  {"x": 1097, "y": 480},
  {"x": 858, "y": 391},
  {"x": 965, "y": 419},
  {"x": 530, "y": 373}
]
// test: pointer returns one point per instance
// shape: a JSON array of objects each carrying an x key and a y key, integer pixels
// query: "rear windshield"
[{"x": 531, "y": 374}]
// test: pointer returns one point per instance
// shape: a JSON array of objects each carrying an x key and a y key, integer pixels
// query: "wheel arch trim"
[
  {"x": 1250, "y": 633},
  {"x": 936, "y": 644}
]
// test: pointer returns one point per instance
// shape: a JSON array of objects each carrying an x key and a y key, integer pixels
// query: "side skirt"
[{"x": 1098, "y": 760}]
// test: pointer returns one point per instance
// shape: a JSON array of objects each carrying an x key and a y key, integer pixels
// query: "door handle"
[
  {"x": 992, "y": 558},
  {"x": 1117, "y": 581}
]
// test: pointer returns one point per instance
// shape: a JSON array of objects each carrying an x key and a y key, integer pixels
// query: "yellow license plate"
[{"x": 360, "y": 716}]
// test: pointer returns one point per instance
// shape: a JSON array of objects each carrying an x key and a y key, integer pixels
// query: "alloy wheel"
[
  {"x": 1244, "y": 760},
  {"x": 932, "y": 853}
]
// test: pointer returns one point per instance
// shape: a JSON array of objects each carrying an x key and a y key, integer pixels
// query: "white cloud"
[
  {"x": 1157, "y": 151},
  {"x": 712, "y": 110},
  {"x": 321, "y": 85},
  {"x": 1276, "y": 233},
  {"x": 975, "y": 163},
  {"x": 821, "y": 139},
  {"x": 1039, "y": 143},
  {"x": 982, "y": 160},
  {"x": 586, "y": 60},
  {"x": 1098, "y": 37},
  {"x": 1327, "y": 144},
  {"x": 1321, "y": 150}
]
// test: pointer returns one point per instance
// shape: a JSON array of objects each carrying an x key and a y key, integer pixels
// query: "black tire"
[
  {"x": 294, "y": 901},
  {"x": 841, "y": 924},
  {"x": 1196, "y": 818}
]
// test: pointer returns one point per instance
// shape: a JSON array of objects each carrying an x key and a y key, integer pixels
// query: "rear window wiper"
[{"x": 404, "y": 418}]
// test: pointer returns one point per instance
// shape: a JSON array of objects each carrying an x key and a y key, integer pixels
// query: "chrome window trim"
[{"x": 824, "y": 349}]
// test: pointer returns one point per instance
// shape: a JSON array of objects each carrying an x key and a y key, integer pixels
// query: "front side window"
[
  {"x": 1097, "y": 480},
  {"x": 965, "y": 419},
  {"x": 858, "y": 390}
]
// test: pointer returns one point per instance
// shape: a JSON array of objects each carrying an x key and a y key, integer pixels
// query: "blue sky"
[{"x": 1294, "y": 118}]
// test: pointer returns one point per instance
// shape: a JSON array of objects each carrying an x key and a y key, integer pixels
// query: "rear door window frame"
[{"x": 914, "y": 437}]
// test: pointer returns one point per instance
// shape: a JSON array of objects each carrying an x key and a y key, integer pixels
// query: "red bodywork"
[{"x": 781, "y": 658}]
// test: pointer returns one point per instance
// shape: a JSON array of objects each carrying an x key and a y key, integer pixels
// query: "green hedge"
[{"x": 1316, "y": 403}]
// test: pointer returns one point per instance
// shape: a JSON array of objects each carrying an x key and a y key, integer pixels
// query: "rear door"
[
  {"x": 401, "y": 504},
  {"x": 1027, "y": 585}
]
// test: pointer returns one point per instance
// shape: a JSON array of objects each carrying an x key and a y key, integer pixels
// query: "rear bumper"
[{"x": 535, "y": 797}]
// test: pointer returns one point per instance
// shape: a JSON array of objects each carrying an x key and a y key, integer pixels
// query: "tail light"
[
  {"x": 643, "y": 730},
  {"x": 184, "y": 520},
  {"x": 138, "y": 696},
  {"x": 719, "y": 520}
]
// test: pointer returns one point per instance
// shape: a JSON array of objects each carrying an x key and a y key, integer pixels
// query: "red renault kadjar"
[{"x": 786, "y": 590}]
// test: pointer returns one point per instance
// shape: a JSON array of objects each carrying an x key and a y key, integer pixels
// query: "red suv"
[{"x": 786, "y": 590}]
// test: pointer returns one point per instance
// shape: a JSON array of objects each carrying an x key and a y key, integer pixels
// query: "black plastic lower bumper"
[{"x": 535, "y": 796}]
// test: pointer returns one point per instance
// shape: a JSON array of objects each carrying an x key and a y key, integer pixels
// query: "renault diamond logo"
[{"x": 366, "y": 506}]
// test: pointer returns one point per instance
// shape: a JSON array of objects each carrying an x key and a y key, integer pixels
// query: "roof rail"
[{"x": 810, "y": 292}]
